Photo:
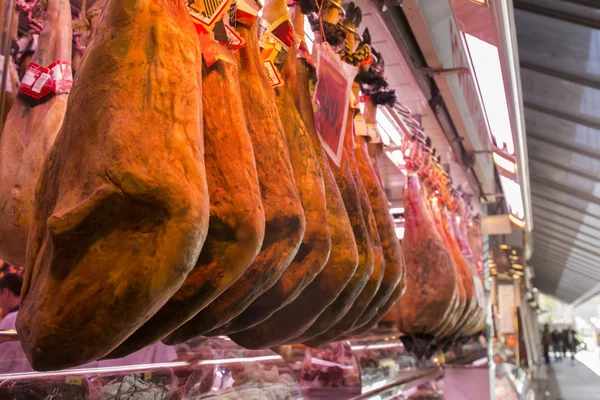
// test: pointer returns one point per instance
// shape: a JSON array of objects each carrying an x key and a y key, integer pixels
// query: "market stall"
[{"x": 235, "y": 198}]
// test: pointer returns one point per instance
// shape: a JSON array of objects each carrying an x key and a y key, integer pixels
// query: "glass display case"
[
  {"x": 373, "y": 366},
  {"x": 202, "y": 368}
]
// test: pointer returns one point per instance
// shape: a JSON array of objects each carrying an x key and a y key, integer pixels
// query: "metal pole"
[{"x": 9, "y": 17}]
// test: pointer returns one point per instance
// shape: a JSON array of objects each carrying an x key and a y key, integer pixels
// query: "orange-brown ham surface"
[
  {"x": 361, "y": 303},
  {"x": 121, "y": 210},
  {"x": 237, "y": 222},
  {"x": 452, "y": 320},
  {"x": 431, "y": 282},
  {"x": 285, "y": 220},
  {"x": 464, "y": 271},
  {"x": 346, "y": 299},
  {"x": 27, "y": 137},
  {"x": 316, "y": 244},
  {"x": 386, "y": 313},
  {"x": 392, "y": 250},
  {"x": 296, "y": 317}
]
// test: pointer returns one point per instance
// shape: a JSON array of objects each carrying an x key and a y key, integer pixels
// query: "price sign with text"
[{"x": 331, "y": 98}]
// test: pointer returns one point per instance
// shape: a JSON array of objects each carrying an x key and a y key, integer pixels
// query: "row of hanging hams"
[
  {"x": 172, "y": 190},
  {"x": 178, "y": 196},
  {"x": 444, "y": 295}
]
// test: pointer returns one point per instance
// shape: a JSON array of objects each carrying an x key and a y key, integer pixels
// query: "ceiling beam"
[
  {"x": 566, "y": 146},
  {"x": 566, "y": 199},
  {"x": 572, "y": 248},
  {"x": 562, "y": 167},
  {"x": 565, "y": 267},
  {"x": 560, "y": 75},
  {"x": 566, "y": 255},
  {"x": 582, "y": 285},
  {"x": 568, "y": 232},
  {"x": 582, "y": 264},
  {"x": 561, "y": 16},
  {"x": 565, "y": 188},
  {"x": 584, "y": 246},
  {"x": 561, "y": 115},
  {"x": 555, "y": 217},
  {"x": 593, "y": 4},
  {"x": 573, "y": 215}
]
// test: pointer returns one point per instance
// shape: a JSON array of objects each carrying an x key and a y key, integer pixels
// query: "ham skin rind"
[{"x": 121, "y": 209}]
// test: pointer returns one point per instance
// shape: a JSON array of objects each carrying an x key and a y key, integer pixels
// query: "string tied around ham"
[
  {"x": 28, "y": 8},
  {"x": 27, "y": 5}
]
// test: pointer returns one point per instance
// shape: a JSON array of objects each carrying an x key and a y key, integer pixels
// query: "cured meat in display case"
[{"x": 375, "y": 366}]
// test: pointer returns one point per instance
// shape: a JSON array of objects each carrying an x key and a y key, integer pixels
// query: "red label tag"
[
  {"x": 272, "y": 73},
  {"x": 247, "y": 11},
  {"x": 285, "y": 33},
  {"x": 331, "y": 98},
  {"x": 39, "y": 82},
  {"x": 62, "y": 74}
]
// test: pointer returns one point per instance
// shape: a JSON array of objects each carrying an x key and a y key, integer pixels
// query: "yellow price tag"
[
  {"x": 74, "y": 380},
  {"x": 147, "y": 376}
]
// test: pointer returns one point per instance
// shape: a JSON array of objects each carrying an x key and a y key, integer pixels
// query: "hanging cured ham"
[
  {"x": 352, "y": 201},
  {"x": 316, "y": 244},
  {"x": 29, "y": 132},
  {"x": 237, "y": 222},
  {"x": 296, "y": 317},
  {"x": 431, "y": 282},
  {"x": 354, "y": 54},
  {"x": 470, "y": 309},
  {"x": 285, "y": 220},
  {"x": 394, "y": 259},
  {"x": 121, "y": 209},
  {"x": 464, "y": 307}
]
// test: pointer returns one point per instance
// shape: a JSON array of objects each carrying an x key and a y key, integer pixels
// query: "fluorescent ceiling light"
[
  {"x": 514, "y": 200},
  {"x": 397, "y": 158},
  {"x": 488, "y": 72},
  {"x": 397, "y": 210},
  {"x": 400, "y": 232},
  {"x": 505, "y": 164},
  {"x": 388, "y": 126}
]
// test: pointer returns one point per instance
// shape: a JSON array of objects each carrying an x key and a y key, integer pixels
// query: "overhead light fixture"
[
  {"x": 513, "y": 198},
  {"x": 388, "y": 126},
  {"x": 504, "y": 163},
  {"x": 397, "y": 210},
  {"x": 397, "y": 158},
  {"x": 504, "y": 247},
  {"x": 485, "y": 60},
  {"x": 400, "y": 232}
]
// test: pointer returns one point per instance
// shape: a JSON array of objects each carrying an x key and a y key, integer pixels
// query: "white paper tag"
[
  {"x": 40, "y": 83},
  {"x": 28, "y": 79}
]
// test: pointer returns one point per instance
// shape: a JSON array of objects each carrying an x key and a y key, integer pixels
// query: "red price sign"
[{"x": 331, "y": 100}]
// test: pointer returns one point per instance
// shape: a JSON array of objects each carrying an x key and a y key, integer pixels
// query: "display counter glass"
[
  {"x": 370, "y": 367},
  {"x": 202, "y": 368}
]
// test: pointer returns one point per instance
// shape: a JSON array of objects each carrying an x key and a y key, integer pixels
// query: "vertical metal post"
[{"x": 5, "y": 51}]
